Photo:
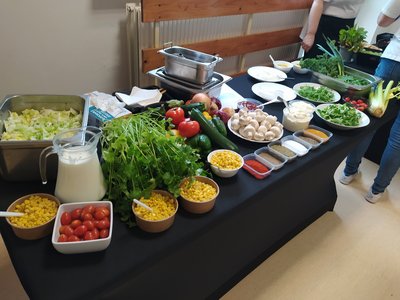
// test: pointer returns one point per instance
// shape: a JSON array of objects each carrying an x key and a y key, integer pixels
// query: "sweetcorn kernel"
[
  {"x": 37, "y": 211},
  {"x": 226, "y": 160},
  {"x": 198, "y": 191},
  {"x": 163, "y": 207}
]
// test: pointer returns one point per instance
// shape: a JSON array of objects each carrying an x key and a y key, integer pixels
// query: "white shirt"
[
  {"x": 345, "y": 9},
  {"x": 392, "y": 51}
]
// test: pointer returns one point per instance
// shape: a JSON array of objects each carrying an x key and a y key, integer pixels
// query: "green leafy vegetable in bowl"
[
  {"x": 33, "y": 125},
  {"x": 341, "y": 114},
  {"x": 320, "y": 94}
]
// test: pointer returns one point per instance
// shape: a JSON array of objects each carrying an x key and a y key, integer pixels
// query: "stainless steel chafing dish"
[{"x": 189, "y": 65}]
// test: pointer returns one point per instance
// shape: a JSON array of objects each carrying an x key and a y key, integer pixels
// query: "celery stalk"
[{"x": 379, "y": 98}]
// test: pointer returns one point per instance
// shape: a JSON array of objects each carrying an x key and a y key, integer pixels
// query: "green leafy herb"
[
  {"x": 139, "y": 155},
  {"x": 320, "y": 94},
  {"x": 341, "y": 114}
]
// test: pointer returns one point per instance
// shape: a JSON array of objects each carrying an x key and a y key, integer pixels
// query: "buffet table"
[{"x": 199, "y": 256}]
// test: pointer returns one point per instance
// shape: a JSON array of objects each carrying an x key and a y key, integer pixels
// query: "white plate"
[
  {"x": 267, "y": 74},
  {"x": 364, "y": 121},
  {"x": 242, "y": 137},
  {"x": 269, "y": 91},
  {"x": 296, "y": 88}
]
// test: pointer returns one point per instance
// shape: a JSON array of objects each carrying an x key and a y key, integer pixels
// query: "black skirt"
[{"x": 328, "y": 26}]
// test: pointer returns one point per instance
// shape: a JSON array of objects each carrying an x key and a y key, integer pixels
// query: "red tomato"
[
  {"x": 176, "y": 114},
  {"x": 68, "y": 230},
  {"x": 89, "y": 224},
  {"x": 89, "y": 236},
  {"x": 76, "y": 213},
  {"x": 62, "y": 228},
  {"x": 73, "y": 238},
  {"x": 189, "y": 128},
  {"x": 99, "y": 215},
  {"x": 96, "y": 233},
  {"x": 104, "y": 209},
  {"x": 86, "y": 216},
  {"x": 80, "y": 230},
  {"x": 65, "y": 218},
  {"x": 102, "y": 224},
  {"x": 62, "y": 238},
  {"x": 104, "y": 233},
  {"x": 75, "y": 223}
]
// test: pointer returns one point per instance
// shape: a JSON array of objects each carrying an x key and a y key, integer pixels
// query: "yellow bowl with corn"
[
  {"x": 39, "y": 214},
  {"x": 164, "y": 207},
  {"x": 225, "y": 163},
  {"x": 198, "y": 194}
]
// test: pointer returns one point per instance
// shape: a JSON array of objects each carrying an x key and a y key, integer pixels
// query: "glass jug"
[{"x": 79, "y": 174}]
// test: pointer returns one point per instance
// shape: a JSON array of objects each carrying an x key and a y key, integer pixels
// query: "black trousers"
[{"x": 328, "y": 26}]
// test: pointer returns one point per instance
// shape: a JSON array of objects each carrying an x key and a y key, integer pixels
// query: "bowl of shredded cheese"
[
  {"x": 39, "y": 212},
  {"x": 198, "y": 194},
  {"x": 225, "y": 163},
  {"x": 162, "y": 214}
]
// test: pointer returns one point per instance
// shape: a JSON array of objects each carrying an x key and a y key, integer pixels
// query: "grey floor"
[{"x": 350, "y": 253}]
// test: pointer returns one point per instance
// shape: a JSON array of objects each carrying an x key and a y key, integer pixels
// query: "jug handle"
[{"x": 43, "y": 162}]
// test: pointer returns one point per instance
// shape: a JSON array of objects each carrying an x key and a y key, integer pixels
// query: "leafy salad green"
[
  {"x": 341, "y": 114},
  {"x": 32, "y": 124},
  {"x": 140, "y": 155},
  {"x": 319, "y": 94}
]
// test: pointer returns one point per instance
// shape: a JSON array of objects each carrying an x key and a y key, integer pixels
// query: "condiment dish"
[
  {"x": 283, "y": 65},
  {"x": 297, "y": 68},
  {"x": 249, "y": 167}
]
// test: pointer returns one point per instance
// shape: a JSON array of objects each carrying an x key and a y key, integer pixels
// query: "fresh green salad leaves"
[
  {"x": 341, "y": 114},
  {"x": 32, "y": 124},
  {"x": 140, "y": 155},
  {"x": 319, "y": 94}
]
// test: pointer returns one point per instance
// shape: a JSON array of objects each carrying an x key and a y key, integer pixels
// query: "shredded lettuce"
[{"x": 32, "y": 124}]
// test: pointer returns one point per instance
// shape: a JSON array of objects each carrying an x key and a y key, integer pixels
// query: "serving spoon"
[
  {"x": 10, "y": 214},
  {"x": 142, "y": 205}
]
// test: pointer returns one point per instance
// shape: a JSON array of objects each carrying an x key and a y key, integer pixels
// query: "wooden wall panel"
[
  {"x": 164, "y": 10},
  {"x": 228, "y": 47}
]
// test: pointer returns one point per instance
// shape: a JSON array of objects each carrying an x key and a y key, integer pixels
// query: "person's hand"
[{"x": 308, "y": 41}]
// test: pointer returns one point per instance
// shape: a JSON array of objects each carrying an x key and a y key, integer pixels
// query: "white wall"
[{"x": 62, "y": 47}]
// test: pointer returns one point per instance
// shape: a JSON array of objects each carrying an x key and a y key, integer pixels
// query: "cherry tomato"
[
  {"x": 62, "y": 228},
  {"x": 189, "y": 128},
  {"x": 176, "y": 114},
  {"x": 73, "y": 238},
  {"x": 88, "y": 209},
  {"x": 80, "y": 230},
  {"x": 89, "y": 224},
  {"x": 99, "y": 215},
  {"x": 104, "y": 233},
  {"x": 68, "y": 230},
  {"x": 76, "y": 213},
  {"x": 104, "y": 209},
  {"x": 62, "y": 238},
  {"x": 96, "y": 233},
  {"x": 75, "y": 223},
  {"x": 66, "y": 218},
  {"x": 102, "y": 224},
  {"x": 86, "y": 216},
  {"x": 89, "y": 235},
  {"x": 347, "y": 99}
]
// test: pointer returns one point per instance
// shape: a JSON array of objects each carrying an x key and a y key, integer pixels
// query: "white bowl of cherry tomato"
[
  {"x": 359, "y": 103},
  {"x": 83, "y": 227}
]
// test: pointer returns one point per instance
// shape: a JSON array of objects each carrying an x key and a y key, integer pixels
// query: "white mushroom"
[
  {"x": 271, "y": 119},
  {"x": 276, "y": 130},
  {"x": 244, "y": 120},
  {"x": 254, "y": 123},
  {"x": 279, "y": 125},
  {"x": 252, "y": 114},
  {"x": 260, "y": 116},
  {"x": 235, "y": 125},
  {"x": 266, "y": 124},
  {"x": 235, "y": 116},
  {"x": 269, "y": 135},
  {"x": 241, "y": 131},
  {"x": 262, "y": 129},
  {"x": 243, "y": 112},
  {"x": 258, "y": 136},
  {"x": 249, "y": 131}
]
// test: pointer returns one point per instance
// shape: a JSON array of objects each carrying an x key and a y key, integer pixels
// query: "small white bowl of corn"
[{"x": 225, "y": 163}]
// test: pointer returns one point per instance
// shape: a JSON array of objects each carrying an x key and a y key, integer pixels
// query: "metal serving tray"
[
  {"x": 343, "y": 87},
  {"x": 189, "y": 65},
  {"x": 19, "y": 160}
]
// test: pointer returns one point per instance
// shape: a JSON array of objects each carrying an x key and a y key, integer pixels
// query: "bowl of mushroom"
[{"x": 255, "y": 126}]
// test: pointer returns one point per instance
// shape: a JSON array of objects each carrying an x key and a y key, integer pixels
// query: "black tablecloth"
[{"x": 199, "y": 256}]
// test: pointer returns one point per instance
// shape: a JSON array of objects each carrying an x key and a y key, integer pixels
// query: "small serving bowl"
[
  {"x": 283, "y": 65},
  {"x": 37, "y": 232},
  {"x": 249, "y": 103},
  {"x": 199, "y": 207},
  {"x": 81, "y": 246},
  {"x": 257, "y": 174},
  {"x": 297, "y": 68},
  {"x": 155, "y": 226},
  {"x": 224, "y": 172}
]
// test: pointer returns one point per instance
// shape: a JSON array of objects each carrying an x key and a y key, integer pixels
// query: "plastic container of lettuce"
[{"x": 19, "y": 157}]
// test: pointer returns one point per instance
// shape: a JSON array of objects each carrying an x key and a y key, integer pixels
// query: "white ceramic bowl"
[
  {"x": 283, "y": 65},
  {"x": 224, "y": 172},
  {"x": 297, "y": 68},
  {"x": 81, "y": 246}
]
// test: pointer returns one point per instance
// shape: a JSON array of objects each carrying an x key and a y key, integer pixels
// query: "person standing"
[
  {"x": 388, "y": 69},
  {"x": 326, "y": 18}
]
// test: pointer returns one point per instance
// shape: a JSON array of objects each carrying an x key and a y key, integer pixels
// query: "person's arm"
[
  {"x": 389, "y": 13},
  {"x": 384, "y": 20},
  {"x": 313, "y": 22}
]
